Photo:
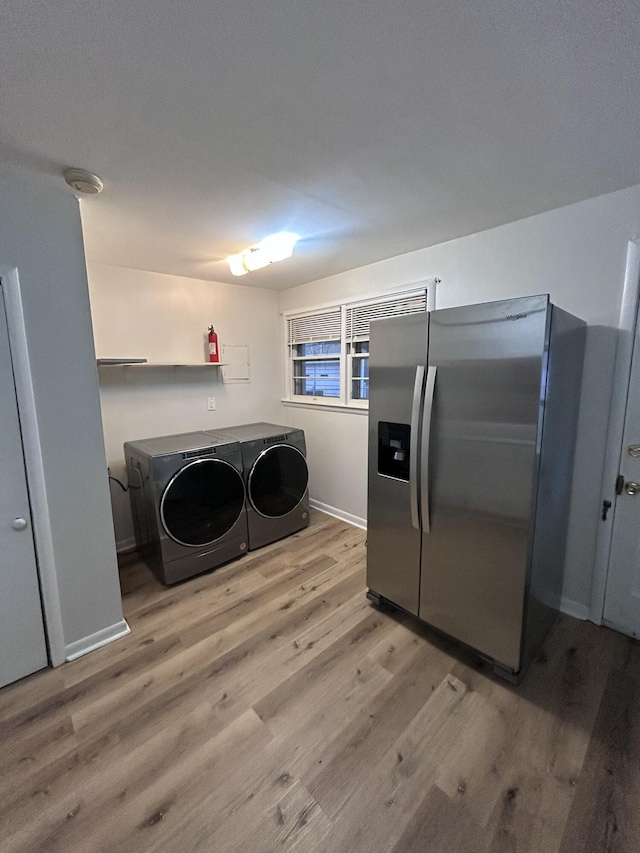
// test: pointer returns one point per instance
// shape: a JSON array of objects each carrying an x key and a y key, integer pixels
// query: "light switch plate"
[{"x": 211, "y": 404}]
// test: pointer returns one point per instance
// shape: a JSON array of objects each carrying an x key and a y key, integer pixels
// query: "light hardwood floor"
[{"x": 268, "y": 706}]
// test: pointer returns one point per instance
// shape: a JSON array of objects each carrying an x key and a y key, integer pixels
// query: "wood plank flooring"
[{"x": 268, "y": 706}]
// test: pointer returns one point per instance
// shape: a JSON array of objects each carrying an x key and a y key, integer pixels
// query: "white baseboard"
[
  {"x": 339, "y": 513},
  {"x": 623, "y": 629},
  {"x": 94, "y": 641},
  {"x": 126, "y": 545},
  {"x": 572, "y": 608}
]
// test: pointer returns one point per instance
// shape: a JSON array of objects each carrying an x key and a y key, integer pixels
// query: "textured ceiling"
[{"x": 369, "y": 128}]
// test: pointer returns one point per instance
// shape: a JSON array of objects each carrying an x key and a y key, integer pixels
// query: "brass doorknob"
[{"x": 631, "y": 488}]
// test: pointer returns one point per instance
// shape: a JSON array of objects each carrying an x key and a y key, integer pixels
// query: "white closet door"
[
  {"x": 622, "y": 602},
  {"x": 23, "y": 648}
]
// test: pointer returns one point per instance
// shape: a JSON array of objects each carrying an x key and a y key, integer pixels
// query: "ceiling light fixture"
[{"x": 277, "y": 247}]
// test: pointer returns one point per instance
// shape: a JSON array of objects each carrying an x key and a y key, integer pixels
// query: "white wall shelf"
[{"x": 142, "y": 362}]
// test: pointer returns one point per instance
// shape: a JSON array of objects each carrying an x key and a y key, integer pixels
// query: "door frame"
[
  {"x": 34, "y": 464},
  {"x": 629, "y": 317}
]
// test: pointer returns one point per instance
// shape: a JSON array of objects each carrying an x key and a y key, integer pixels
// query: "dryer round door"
[
  {"x": 278, "y": 480},
  {"x": 202, "y": 502}
]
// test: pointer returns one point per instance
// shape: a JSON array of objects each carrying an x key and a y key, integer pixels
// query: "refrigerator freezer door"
[
  {"x": 398, "y": 350},
  {"x": 483, "y": 461}
]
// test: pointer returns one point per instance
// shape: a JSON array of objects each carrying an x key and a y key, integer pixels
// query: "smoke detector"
[{"x": 83, "y": 181}]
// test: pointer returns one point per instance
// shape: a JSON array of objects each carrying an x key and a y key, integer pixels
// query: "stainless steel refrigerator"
[{"x": 472, "y": 421}]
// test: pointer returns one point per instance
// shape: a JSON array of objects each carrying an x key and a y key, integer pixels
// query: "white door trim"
[
  {"x": 618, "y": 408},
  {"x": 34, "y": 464}
]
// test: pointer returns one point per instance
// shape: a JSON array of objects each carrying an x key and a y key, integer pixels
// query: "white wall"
[
  {"x": 165, "y": 318},
  {"x": 577, "y": 254},
  {"x": 40, "y": 235}
]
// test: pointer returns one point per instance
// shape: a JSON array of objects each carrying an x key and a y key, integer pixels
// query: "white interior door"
[
  {"x": 23, "y": 648},
  {"x": 622, "y": 600}
]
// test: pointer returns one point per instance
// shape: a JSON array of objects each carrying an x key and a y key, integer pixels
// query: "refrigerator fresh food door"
[
  {"x": 398, "y": 350},
  {"x": 480, "y": 460}
]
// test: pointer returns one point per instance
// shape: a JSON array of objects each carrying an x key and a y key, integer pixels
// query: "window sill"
[{"x": 327, "y": 407}]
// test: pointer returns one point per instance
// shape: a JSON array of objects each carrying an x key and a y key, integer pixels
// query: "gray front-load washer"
[
  {"x": 188, "y": 502},
  {"x": 276, "y": 478}
]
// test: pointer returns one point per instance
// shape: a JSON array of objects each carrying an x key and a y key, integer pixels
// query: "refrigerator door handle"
[
  {"x": 414, "y": 445},
  {"x": 430, "y": 388}
]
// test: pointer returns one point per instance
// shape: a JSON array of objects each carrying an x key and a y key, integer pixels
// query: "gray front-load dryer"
[
  {"x": 276, "y": 479},
  {"x": 188, "y": 502}
]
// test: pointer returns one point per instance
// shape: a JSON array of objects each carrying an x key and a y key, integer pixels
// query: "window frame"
[
  {"x": 314, "y": 359},
  {"x": 354, "y": 402},
  {"x": 345, "y": 400}
]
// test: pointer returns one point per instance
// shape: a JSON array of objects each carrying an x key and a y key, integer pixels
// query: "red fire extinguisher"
[{"x": 214, "y": 354}]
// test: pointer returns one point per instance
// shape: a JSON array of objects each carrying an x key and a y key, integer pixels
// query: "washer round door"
[
  {"x": 202, "y": 502},
  {"x": 278, "y": 480}
]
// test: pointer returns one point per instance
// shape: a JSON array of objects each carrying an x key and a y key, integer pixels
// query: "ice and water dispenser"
[{"x": 393, "y": 450}]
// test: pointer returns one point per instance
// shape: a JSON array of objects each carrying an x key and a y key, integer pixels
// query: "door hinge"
[
  {"x": 619, "y": 484},
  {"x": 606, "y": 506}
]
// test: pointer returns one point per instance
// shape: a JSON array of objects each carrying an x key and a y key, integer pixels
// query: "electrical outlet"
[{"x": 211, "y": 404}]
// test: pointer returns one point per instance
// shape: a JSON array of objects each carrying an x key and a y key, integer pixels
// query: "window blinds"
[
  {"x": 326, "y": 325},
  {"x": 319, "y": 326},
  {"x": 359, "y": 316}
]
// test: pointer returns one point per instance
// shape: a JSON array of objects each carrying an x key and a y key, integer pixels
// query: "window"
[
  {"x": 358, "y": 352},
  {"x": 328, "y": 350},
  {"x": 316, "y": 370},
  {"x": 315, "y": 352}
]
